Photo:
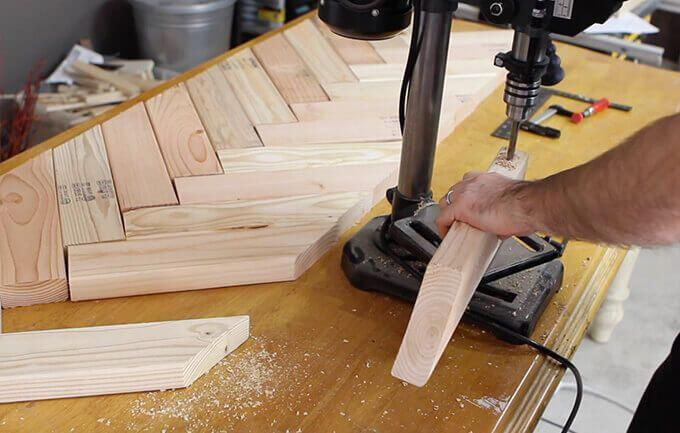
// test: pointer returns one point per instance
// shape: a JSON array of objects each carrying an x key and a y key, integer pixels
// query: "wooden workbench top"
[{"x": 321, "y": 352}]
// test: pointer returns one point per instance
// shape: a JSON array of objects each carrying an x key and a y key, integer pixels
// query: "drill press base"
[{"x": 515, "y": 300}]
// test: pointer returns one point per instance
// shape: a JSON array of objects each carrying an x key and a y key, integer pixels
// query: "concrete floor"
[{"x": 622, "y": 368}]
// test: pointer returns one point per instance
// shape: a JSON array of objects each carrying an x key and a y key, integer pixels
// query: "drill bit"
[{"x": 514, "y": 133}]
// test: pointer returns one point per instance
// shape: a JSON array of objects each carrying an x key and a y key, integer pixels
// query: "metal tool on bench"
[{"x": 391, "y": 252}]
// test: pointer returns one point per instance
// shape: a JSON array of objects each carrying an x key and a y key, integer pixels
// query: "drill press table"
[{"x": 321, "y": 352}]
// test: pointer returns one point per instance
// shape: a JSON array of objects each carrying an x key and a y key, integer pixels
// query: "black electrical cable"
[
  {"x": 414, "y": 50},
  {"x": 566, "y": 363}
]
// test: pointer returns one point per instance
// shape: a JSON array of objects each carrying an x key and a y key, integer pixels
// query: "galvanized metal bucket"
[{"x": 180, "y": 34}]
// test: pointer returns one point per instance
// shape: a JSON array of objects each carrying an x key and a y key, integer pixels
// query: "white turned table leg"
[{"x": 611, "y": 312}]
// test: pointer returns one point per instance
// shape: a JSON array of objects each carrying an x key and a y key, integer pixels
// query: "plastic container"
[{"x": 180, "y": 34}]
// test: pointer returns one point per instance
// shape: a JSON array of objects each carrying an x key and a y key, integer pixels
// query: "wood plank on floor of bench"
[
  {"x": 345, "y": 109},
  {"x": 290, "y": 74},
  {"x": 254, "y": 89},
  {"x": 371, "y": 178},
  {"x": 182, "y": 139},
  {"x": 475, "y": 68},
  {"x": 352, "y": 51},
  {"x": 225, "y": 120},
  {"x": 88, "y": 206},
  {"x": 310, "y": 155},
  {"x": 137, "y": 165},
  {"x": 330, "y": 131},
  {"x": 318, "y": 54},
  {"x": 190, "y": 262},
  {"x": 32, "y": 269}
]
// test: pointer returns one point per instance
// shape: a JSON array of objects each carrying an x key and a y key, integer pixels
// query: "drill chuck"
[{"x": 520, "y": 98}]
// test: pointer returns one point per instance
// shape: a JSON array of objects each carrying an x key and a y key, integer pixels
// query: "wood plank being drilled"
[
  {"x": 310, "y": 155},
  {"x": 254, "y": 89},
  {"x": 450, "y": 280},
  {"x": 136, "y": 162},
  {"x": 88, "y": 207},
  {"x": 223, "y": 116},
  {"x": 32, "y": 267},
  {"x": 373, "y": 179},
  {"x": 288, "y": 72},
  {"x": 181, "y": 137},
  {"x": 318, "y": 54},
  {"x": 330, "y": 131},
  {"x": 76, "y": 362}
]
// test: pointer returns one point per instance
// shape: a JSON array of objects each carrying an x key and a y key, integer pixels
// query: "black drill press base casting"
[{"x": 520, "y": 282}]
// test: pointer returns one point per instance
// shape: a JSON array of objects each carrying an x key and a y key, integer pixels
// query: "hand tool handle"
[
  {"x": 597, "y": 106},
  {"x": 543, "y": 131}
]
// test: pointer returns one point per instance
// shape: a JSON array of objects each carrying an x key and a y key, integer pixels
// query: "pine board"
[
  {"x": 288, "y": 72},
  {"x": 254, "y": 89},
  {"x": 185, "y": 146},
  {"x": 330, "y": 131},
  {"x": 450, "y": 280},
  {"x": 243, "y": 215},
  {"x": 284, "y": 183},
  {"x": 307, "y": 156},
  {"x": 145, "y": 266},
  {"x": 318, "y": 54},
  {"x": 472, "y": 68},
  {"x": 137, "y": 165},
  {"x": 225, "y": 120},
  {"x": 88, "y": 207},
  {"x": 76, "y": 362},
  {"x": 346, "y": 109},
  {"x": 31, "y": 253}
]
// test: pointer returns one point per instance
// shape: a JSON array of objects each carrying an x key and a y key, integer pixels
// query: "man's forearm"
[{"x": 629, "y": 195}]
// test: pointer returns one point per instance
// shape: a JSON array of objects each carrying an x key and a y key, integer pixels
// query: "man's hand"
[{"x": 489, "y": 202}]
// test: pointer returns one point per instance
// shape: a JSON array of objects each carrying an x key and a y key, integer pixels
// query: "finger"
[{"x": 445, "y": 220}]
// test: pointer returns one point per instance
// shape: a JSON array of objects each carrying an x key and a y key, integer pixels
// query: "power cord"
[
  {"x": 414, "y": 50},
  {"x": 566, "y": 363}
]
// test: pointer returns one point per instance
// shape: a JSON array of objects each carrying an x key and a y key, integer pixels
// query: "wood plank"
[
  {"x": 450, "y": 280},
  {"x": 318, "y": 54},
  {"x": 373, "y": 178},
  {"x": 177, "y": 263},
  {"x": 254, "y": 89},
  {"x": 389, "y": 90},
  {"x": 225, "y": 120},
  {"x": 32, "y": 267},
  {"x": 125, "y": 86},
  {"x": 347, "y": 109},
  {"x": 330, "y": 131},
  {"x": 88, "y": 206},
  {"x": 40, "y": 365},
  {"x": 185, "y": 146},
  {"x": 352, "y": 51},
  {"x": 242, "y": 215},
  {"x": 471, "y": 68},
  {"x": 288, "y": 72},
  {"x": 137, "y": 165},
  {"x": 307, "y": 156}
]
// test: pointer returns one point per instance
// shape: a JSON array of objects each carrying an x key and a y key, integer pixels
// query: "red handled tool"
[{"x": 599, "y": 105}]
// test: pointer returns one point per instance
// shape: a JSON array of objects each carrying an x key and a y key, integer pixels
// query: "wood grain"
[
  {"x": 473, "y": 68},
  {"x": 243, "y": 215},
  {"x": 284, "y": 183},
  {"x": 218, "y": 259},
  {"x": 254, "y": 89},
  {"x": 88, "y": 206},
  {"x": 288, "y": 72},
  {"x": 352, "y": 51},
  {"x": 330, "y": 131},
  {"x": 450, "y": 281},
  {"x": 185, "y": 146},
  {"x": 225, "y": 120},
  {"x": 346, "y": 109},
  {"x": 137, "y": 165},
  {"x": 31, "y": 253},
  {"x": 308, "y": 156},
  {"x": 76, "y": 362},
  {"x": 318, "y": 54}
]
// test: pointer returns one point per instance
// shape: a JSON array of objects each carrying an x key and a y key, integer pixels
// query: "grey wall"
[{"x": 44, "y": 30}]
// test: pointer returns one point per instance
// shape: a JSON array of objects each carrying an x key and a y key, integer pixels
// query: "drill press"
[{"x": 391, "y": 252}]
